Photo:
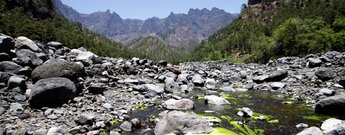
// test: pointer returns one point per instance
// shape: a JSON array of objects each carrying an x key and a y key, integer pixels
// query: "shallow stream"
[{"x": 281, "y": 113}]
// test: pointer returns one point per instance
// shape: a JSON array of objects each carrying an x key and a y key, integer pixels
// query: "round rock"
[
  {"x": 58, "y": 68},
  {"x": 52, "y": 92}
]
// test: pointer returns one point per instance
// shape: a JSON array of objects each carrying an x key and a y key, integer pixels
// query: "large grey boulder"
[
  {"x": 10, "y": 67},
  {"x": 25, "y": 43},
  {"x": 187, "y": 123},
  {"x": 212, "y": 99},
  {"x": 197, "y": 80},
  {"x": 277, "y": 76},
  {"x": 26, "y": 57},
  {"x": 324, "y": 74},
  {"x": 158, "y": 88},
  {"x": 333, "y": 126},
  {"x": 52, "y": 92},
  {"x": 311, "y": 131},
  {"x": 6, "y": 43},
  {"x": 58, "y": 68},
  {"x": 314, "y": 62},
  {"x": 183, "y": 104},
  {"x": 334, "y": 105}
]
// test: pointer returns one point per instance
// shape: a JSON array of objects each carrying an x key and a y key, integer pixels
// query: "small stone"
[
  {"x": 107, "y": 106},
  {"x": 312, "y": 62},
  {"x": 41, "y": 131},
  {"x": 16, "y": 81},
  {"x": 61, "y": 130},
  {"x": 16, "y": 109},
  {"x": 97, "y": 88},
  {"x": 183, "y": 104},
  {"x": 75, "y": 130},
  {"x": 53, "y": 117},
  {"x": 277, "y": 85},
  {"x": 85, "y": 119},
  {"x": 126, "y": 126},
  {"x": 216, "y": 100},
  {"x": 302, "y": 125},
  {"x": 326, "y": 92},
  {"x": 136, "y": 122},
  {"x": 48, "y": 112},
  {"x": 245, "y": 112}
]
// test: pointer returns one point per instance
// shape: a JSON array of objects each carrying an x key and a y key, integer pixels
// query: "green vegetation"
[
  {"x": 155, "y": 49},
  {"x": 297, "y": 28},
  {"x": 16, "y": 22}
]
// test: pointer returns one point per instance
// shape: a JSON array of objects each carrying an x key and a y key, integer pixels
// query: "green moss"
[
  {"x": 221, "y": 131},
  {"x": 316, "y": 117},
  {"x": 227, "y": 118},
  {"x": 245, "y": 130},
  {"x": 115, "y": 122},
  {"x": 152, "y": 118},
  {"x": 275, "y": 121},
  {"x": 210, "y": 118},
  {"x": 140, "y": 106}
]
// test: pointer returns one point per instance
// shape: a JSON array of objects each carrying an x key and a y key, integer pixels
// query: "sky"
[{"x": 143, "y": 9}]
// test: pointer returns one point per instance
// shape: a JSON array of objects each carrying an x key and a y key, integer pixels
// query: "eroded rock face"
[
  {"x": 52, "y": 92},
  {"x": 186, "y": 123}
]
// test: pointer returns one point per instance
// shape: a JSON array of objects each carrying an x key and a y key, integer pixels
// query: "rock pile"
[{"x": 52, "y": 89}]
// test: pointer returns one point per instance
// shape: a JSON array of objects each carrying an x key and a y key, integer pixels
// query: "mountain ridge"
[{"x": 198, "y": 23}]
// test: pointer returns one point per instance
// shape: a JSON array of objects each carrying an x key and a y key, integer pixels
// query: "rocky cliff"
[{"x": 175, "y": 30}]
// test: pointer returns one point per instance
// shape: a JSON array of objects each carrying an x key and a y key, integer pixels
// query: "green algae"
[
  {"x": 140, "y": 106},
  {"x": 221, "y": 131},
  {"x": 275, "y": 121},
  {"x": 319, "y": 118},
  {"x": 227, "y": 118}
]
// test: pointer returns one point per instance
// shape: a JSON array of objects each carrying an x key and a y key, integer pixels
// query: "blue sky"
[{"x": 143, "y": 9}]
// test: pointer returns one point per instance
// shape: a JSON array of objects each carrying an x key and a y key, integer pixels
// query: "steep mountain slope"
[
  {"x": 37, "y": 19},
  {"x": 175, "y": 30},
  {"x": 155, "y": 49},
  {"x": 267, "y": 29}
]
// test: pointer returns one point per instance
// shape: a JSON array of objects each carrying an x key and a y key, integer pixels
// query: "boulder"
[
  {"x": 155, "y": 88},
  {"x": 260, "y": 79},
  {"x": 183, "y": 104},
  {"x": 172, "y": 87},
  {"x": 16, "y": 81},
  {"x": 25, "y": 43},
  {"x": 58, "y": 68},
  {"x": 212, "y": 99},
  {"x": 314, "y": 62},
  {"x": 187, "y": 123},
  {"x": 97, "y": 88},
  {"x": 5, "y": 57},
  {"x": 10, "y": 67},
  {"x": 334, "y": 105},
  {"x": 333, "y": 125},
  {"x": 277, "y": 85},
  {"x": 277, "y": 76},
  {"x": 311, "y": 131},
  {"x": 324, "y": 74},
  {"x": 56, "y": 45},
  {"x": 85, "y": 119},
  {"x": 52, "y": 92},
  {"x": 26, "y": 57},
  {"x": 126, "y": 126},
  {"x": 6, "y": 44},
  {"x": 197, "y": 80},
  {"x": 245, "y": 112},
  {"x": 326, "y": 92}
]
